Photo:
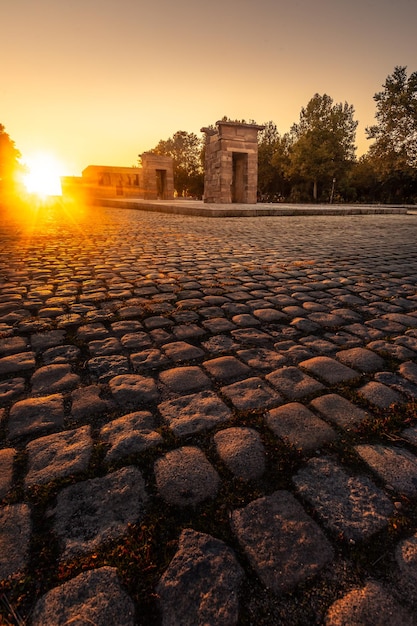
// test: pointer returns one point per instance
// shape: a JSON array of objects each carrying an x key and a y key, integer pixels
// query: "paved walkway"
[
  {"x": 207, "y": 420},
  {"x": 197, "y": 207}
]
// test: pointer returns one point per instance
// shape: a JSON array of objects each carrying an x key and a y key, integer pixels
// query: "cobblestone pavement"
[{"x": 207, "y": 421}]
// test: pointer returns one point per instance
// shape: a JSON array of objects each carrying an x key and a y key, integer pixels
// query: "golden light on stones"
[{"x": 43, "y": 176}]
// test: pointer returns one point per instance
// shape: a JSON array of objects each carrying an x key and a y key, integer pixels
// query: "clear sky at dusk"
[{"x": 100, "y": 81}]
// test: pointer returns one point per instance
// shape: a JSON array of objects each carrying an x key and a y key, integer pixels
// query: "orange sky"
[{"x": 100, "y": 81}]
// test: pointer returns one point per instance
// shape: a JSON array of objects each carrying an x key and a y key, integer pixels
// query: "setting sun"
[{"x": 43, "y": 177}]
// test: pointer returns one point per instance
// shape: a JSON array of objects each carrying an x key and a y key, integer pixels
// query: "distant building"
[
  {"x": 154, "y": 180},
  {"x": 231, "y": 163}
]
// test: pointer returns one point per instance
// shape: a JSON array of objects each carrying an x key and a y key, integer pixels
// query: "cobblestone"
[
  {"x": 58, "y": 455},
  {"x": 195, "y": 589},
  {"x": 223, "y": 410}
]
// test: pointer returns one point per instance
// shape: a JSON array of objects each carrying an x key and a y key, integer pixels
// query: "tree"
[
  {"x": 9, "y": 161},
  {"x": 323, "y": 143},
  {"x": 185, "y": 150},
  {"x": 272, "y": 163},
  {"x": 395, "y": 133},
  {"x": 394, "y": 151}
]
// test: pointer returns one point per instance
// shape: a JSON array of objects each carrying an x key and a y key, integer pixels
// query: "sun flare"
[{"x": 43, "y": 177}]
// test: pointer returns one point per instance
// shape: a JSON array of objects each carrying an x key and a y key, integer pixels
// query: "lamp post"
[{"x": 332, "y": 191}]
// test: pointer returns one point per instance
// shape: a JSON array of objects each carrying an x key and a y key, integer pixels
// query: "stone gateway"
[{"x": 231, "y": 163}]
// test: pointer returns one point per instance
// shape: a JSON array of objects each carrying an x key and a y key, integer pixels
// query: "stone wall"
[
  {"x": 158, "y": 176},
  {"x": 231, "y": 163},
  {"x": 154, "y": 180}
]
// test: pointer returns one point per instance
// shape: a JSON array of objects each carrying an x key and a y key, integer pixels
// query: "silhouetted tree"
[
  {"x": 394, "y": 151},
  {"x": 9, "y": 161},
  {"x": 323, "y": 143}
]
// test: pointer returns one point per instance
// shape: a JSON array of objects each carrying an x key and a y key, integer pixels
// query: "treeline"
[
  {"x": 315, "y": 161},
  {"x": 10, "y": 166}
]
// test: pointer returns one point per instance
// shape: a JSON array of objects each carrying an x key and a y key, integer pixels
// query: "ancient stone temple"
[
  {"x": 154, "y": 180},
  {"x": 231, "y": 163}
]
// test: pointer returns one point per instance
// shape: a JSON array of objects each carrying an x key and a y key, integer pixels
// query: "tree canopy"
[
  {"x": 393, "y": 155},
  {"x": 395, "y": 132},
  {"x": 323, "y": 142},
  {"x": 272, "y": 163},
  {"x": 9, "y": 161}
]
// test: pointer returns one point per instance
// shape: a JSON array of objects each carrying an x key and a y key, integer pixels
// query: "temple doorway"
[{"x": 239, "y": 177}]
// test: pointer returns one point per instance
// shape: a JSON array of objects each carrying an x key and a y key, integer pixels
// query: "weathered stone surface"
[
  {"x": 36, "y": 415},
  {"x": 405, "y": 577},
  {"x": 61, "y": 354},
  {"x": 318, "y": 345},
  {"x": 269, "y": 316},
  {"x": 372, "y": 605},
  {"x": 157, "y": 321},
  {"x": 328, "y": 320},
  {"x": 397, "y": 383},
  {"x": 54, "y": 378},
  {"x": 130, "y": 434},
  {"x": 261, "y": 358},
  {"x": 86, "y": 401},
  {"x": 89, "y": 332},
  {"x": 182, "y": 351},
  {"x": 296, "y": 424},
  {"x": 104, "y": 368},
  {"x": 13, "y": 345},
  {"x": 242, "y": 451},
  {"x": 47, "y": 339},
  {"x": 7, "y": 456},
  {"x": 149, "y": 359},
  {"x": 123, "y": 327},
  {"x": 226, "y": 368},
  {"x": 93, "y": 597},
  {"x": 391, "y": 349},
  {"x": 11, "y": 389},
  {"x": 17, "y": 363},
  {"x": 184, "y": 477},
  {"x": 252, "y": 337},
  {"x": 251, "y": 393},
  {"x": 15, "y": 531},
  {"x": 218, "y": 325},
  {"x": 408, "y": 342},
  {"x": 395, "y": 466},
  {"x": 409, "y": 371},
  {"x": 201, "y": 584},
  {"x": 409, "y": 321},
  {"x": 185, "y": 379},
  {"x": 283, "y": 544},
  {"x": 350, "y": 506},
  {"x": 245, "y": 320},
  {"x": 304, "y": 325},
  {"x": 229, "y": 146},
  {"x": 58, "y": 455},
  {"x": 339, "y": 410},
  {"x": 133, "y": 389},
  {"x": 361, "y": 359},
  {"x": 219, "y": 344},
  {"x": 329, "y": 370},
  {"x": 101, "y": 347},
  {"x": 379, "y": 394},
  {"x": 194, "y": 413},
  {"x": 188, "y": 331},
  {"x": 136, "y": 340},
  {"x": 293, "y": 383},
  {"x": 94, "y": 511}
]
